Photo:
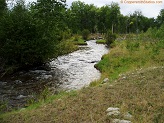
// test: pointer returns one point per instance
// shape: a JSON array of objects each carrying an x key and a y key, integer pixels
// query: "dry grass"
[{"x": 141, "y": 93}]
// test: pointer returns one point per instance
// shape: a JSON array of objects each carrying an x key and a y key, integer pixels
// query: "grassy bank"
[
  {"x": 102, "y": 41},
  {"x": 129, "y": 55},
  {"x": 78, "y": 40},
  {"x": 135, "y": 71}
]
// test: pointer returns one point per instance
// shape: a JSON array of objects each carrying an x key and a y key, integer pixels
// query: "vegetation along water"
[{"x": 33, "y": 36}]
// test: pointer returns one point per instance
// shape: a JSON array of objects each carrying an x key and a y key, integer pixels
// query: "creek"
[{"x": 69, "y": 72}]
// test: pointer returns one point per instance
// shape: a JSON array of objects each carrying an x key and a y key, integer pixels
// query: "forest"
[{"x": 32, "y": 34}]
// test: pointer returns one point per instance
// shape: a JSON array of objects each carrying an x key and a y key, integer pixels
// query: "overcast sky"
[{"x": 149, "y": 9}]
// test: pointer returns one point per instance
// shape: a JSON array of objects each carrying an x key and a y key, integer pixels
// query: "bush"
[
  {"x": 85, "y": 34},
  {"x": 76, "y": 37},
  {"x": 110, "y": 38}
]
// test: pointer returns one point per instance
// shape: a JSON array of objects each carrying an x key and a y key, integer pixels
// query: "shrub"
[
  {"x": 110, "y": 38},
  {"x": 76, "y": 37},
  {"x": 85, "y": 34}
]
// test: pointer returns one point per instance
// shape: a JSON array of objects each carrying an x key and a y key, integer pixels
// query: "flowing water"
[{"x": 68, "y": 72}]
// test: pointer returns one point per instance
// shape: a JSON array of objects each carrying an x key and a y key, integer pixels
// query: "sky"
[{"x": 150, "y": 9}]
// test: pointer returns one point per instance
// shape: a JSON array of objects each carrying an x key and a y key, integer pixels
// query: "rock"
[
  {"x": 22, "y": 109},
  {"x": 18, "y": 82},
  {"x": 110, "y": 85},
  {"x": 21, "y": 97},
  {"x": 47, "y": 76},
  {"x": 105, "y": 80},
  {"x": 3, "y": 83},
  {"x": 113, "y": 111},
  {"x": 38, "y": 71},
  {"x": 124, "y": 77},
  {"x": 44, "y": 77},
  {"x": 127, "y": 116},
  {"x": 93, "y": 61},
  {"x": 110, "y": 109},
  {"x": 120, "y": 121}
]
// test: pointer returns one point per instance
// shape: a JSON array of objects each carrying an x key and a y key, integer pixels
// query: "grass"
[
  {"x": 135, "y": 70},
  {"x": 130, "y": 55},
  {"x": 66, "y": 47},
  {"x": 78, "y": 40},
  {"x": 102, "y": 41},
  {"x": 140, "y": 94}
]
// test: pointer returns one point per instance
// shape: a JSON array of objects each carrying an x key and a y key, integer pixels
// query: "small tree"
[
  {"x": 85, "y": 34},
  {"x": 110, "y": 38}
]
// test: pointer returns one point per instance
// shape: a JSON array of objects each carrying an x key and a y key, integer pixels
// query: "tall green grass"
[{"x": 131, "y": 54}]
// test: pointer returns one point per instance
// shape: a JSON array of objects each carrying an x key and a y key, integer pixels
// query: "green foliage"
[
  {"x": 155, "y": 33},
  {"x": 65, "y": 47},
  {"x": 2, "y": 7},
  {"x": 3, "y": 106},
  {"x": 76, "y": 37},
  {"x": 102, "y": 41},
  {"x": 110, "y": 38},
  {"x": 133, "y": 46},
  {"x": 131, "y": 55},
  {"x": 160, "y": 18},
  {"x": 160, "y": 32},
  {"x": 85, "y": 34},
  {"x": 28, "y": 36}
]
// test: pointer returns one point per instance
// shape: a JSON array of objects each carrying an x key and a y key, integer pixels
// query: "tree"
[
  {"x": 2, "y": 6},
  {"x": 108, "y": 17},
  {"x": 82, "y": 16},
  {"x": 29, "y": 35},
  {"x": 114, "y": 15},
  {"x": 160, "y": 18}
]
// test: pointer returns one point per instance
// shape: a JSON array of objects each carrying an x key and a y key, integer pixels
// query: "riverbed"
[{"x": 69, "y": 72}]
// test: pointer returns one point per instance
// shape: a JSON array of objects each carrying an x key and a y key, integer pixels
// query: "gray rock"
[
  {"x": 3, "y": 83},
  {"x": 38, "y": 71},
  {"x": 44, "y": 77},
  {"x": 124, "y": 77},
  {"x": 127, "y": 116},
  {"x": 105, "y": 80},
  {"x": 47, "y": 76},
  {"x": 113, "y": 111},
  {"x": 120, "y": 121},
  {"x": 110, "y": 109},
  {"x": 21, "y": 97},
  {"x": 18, "y": 82}
]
